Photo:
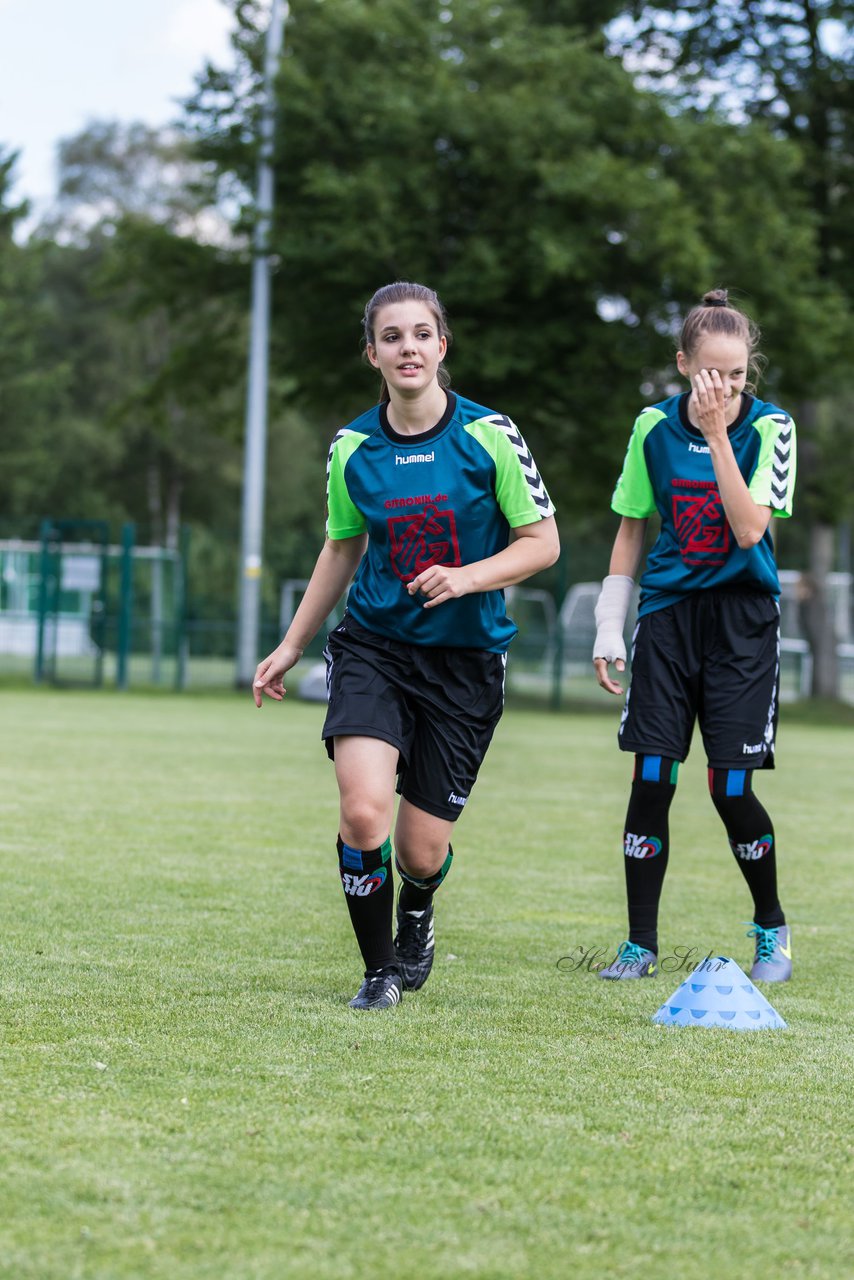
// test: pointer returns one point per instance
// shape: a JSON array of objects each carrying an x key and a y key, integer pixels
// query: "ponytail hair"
[
  {"x": 715, "y": 314},
  {"x": 406, "y": 291}
]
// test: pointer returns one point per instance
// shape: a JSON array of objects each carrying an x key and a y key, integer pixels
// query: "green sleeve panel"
[
  {"x": 343, "y": 518},
  {"x": 773, "y": 482},
  {"x": 519, "y": 489},
  {"x": 633, "y": 495}
]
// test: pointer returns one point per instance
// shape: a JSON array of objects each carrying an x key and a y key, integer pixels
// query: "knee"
[
  {"x": 653, "y": 772},
  {"x": 730, "y": 784},
  {"x": 364, "y": 822},
  {"x": 653, "y": 785},
  {"x": 732, "y": 792},
  {"x": 422, "y": 863}
]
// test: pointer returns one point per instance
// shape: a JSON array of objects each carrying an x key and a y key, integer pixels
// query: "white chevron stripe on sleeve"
[
  {"x": 782, "y": 461},
  {"x": 526, "y": 460}
]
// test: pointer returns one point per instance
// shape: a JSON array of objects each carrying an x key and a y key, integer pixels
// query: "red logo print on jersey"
[
  {"x": 422, "y": 539},
  {"x": 700, "y": 523}
]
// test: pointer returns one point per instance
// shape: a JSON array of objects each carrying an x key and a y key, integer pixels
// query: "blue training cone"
[{"x": 718, "y": 994}]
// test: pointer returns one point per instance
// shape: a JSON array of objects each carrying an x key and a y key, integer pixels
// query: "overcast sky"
[{"x": 66, "y": 62}]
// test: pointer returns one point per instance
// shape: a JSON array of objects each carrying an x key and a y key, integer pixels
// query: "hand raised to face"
[{"x": 707, "y": 405}]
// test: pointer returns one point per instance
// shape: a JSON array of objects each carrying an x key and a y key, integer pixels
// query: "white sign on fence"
[{"x": 80, "y": 573}]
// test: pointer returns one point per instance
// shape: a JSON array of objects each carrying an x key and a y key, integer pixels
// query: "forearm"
[
  {"x": 330, "y": 578},
  {"x": 747, "y": 520},
  {"x": 628, "y": 547},
  {"x": 615, "y": 599},
  {"x": 532, "y": 548}
]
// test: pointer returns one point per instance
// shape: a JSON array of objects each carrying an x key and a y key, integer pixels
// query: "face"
[
  {"x": 407, "y": 347},
  {"x": 728, "y": 355}
]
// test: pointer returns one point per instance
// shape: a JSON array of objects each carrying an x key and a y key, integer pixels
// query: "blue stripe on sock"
[
  {"x": 351, "y": 857},
  {"x": 651, "y": 770},
  {"x": 735, "y": 782}
]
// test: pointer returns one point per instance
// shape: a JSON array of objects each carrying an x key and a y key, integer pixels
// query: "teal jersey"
[
  {"x": 448, "y": 496},
  {"x": 668, "y": 469}
]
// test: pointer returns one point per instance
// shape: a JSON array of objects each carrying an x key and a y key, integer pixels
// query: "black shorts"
[
  {"x": 715, "y": 658},
  {"x": 438, "y": 706}
]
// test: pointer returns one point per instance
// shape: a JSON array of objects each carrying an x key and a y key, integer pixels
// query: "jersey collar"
[{"x": 396, "y": 438}]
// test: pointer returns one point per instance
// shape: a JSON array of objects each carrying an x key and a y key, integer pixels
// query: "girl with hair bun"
[
  {"x": 715, "y": 464},
  {"x": 436, "y": 505}
]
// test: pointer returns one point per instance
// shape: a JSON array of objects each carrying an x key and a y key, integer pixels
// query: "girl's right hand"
[{"x": 269, "y": 673}]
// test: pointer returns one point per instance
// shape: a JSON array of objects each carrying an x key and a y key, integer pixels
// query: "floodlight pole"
[{"x": 255, "y": 447}]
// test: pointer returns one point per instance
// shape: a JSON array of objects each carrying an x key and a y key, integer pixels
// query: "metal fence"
[{"x": 76, "y": 608}]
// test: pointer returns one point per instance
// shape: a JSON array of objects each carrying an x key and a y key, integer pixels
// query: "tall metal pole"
[{"x": 255, "y": 447}]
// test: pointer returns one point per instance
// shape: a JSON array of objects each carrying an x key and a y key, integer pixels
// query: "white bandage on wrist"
[{"x": 610, "y": 613}]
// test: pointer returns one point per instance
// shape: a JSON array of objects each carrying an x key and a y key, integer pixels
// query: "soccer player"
[
  {"x": 715, "y": 463},
  {"x": 436, "y": 505}
]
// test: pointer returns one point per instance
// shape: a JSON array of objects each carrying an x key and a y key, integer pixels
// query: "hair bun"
[{"x": 716, "y": 298}]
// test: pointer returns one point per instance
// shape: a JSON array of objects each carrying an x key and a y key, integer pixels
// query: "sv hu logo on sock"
[
  {"x": 752, "y": 850},
  {"x": 361, "y": 886},
  {"x": 640, "y": 846}
]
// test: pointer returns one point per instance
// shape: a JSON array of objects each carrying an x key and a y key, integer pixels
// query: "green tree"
[
  {"x": 784, "y": 62},
  {"x": 38, "y": 459},
  {"x": 498, "y": 153},
  {"x": 123, "y": 370},
  {"x": 159, "y": 362}
]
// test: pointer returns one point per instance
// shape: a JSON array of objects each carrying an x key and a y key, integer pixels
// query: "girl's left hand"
[
  {"x": 708, "y": 403},
  {"x": 439, "y": 583}
]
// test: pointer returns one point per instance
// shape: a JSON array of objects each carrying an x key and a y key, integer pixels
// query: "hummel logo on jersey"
[
  {"x": 752, "y": 751},
  {"x": 453, "y": 798},
  {"x": 640, "y": 846},
  {"x": 404, "y": 459},
  {"x": 698, "y": 448},
  {"x": 752, "y": 850},
  {"x": 361, "y": 886}
]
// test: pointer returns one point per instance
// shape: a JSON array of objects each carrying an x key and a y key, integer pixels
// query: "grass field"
[{"x": 185, "y": 1093}]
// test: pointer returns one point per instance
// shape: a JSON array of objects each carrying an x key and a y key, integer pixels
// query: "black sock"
[
  {"x": 369, "y": 889},
  {"x": 646, "y": 844},
  {"x": 416, "y": 895},
  {"x": 751, "y": 838}
]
